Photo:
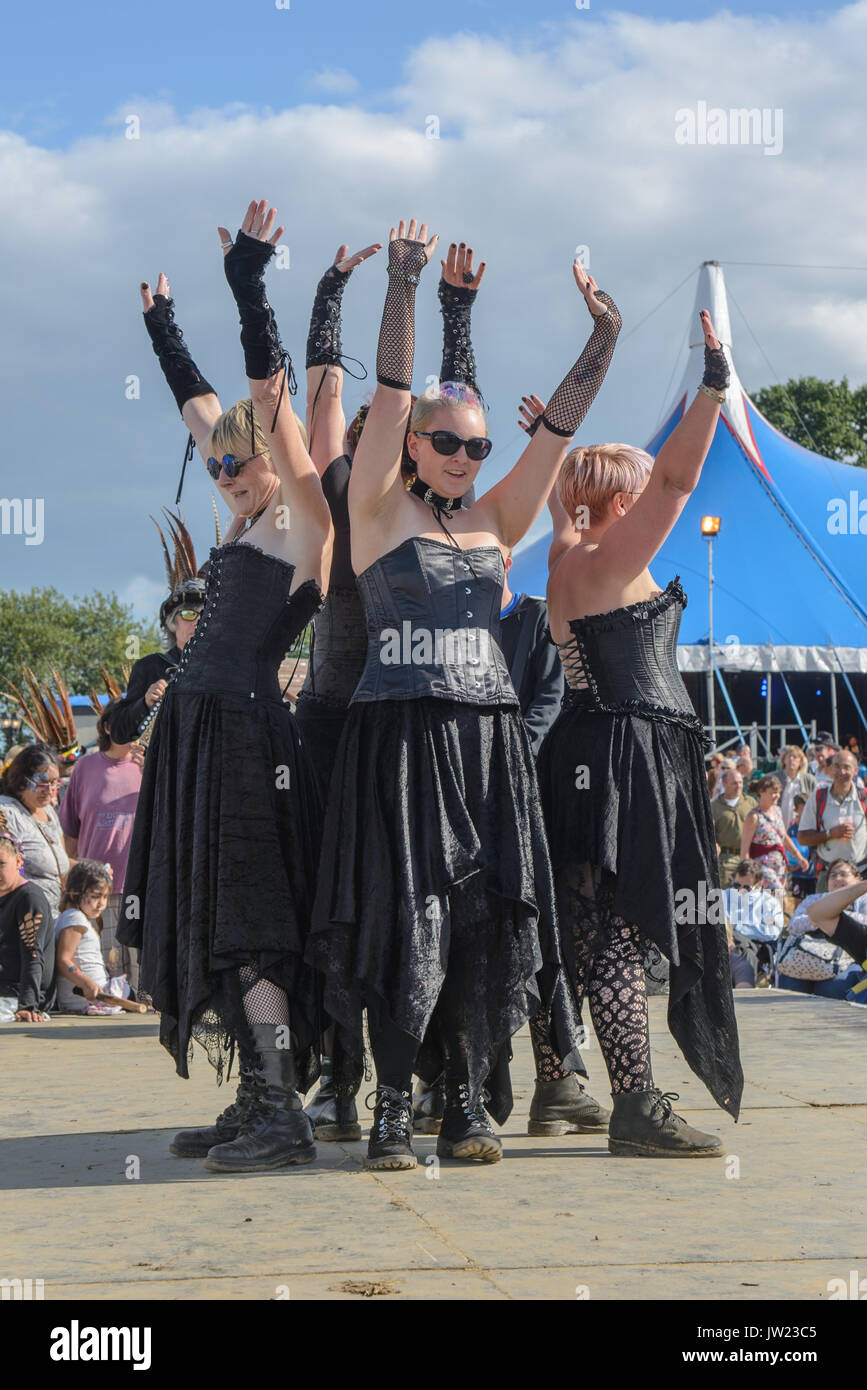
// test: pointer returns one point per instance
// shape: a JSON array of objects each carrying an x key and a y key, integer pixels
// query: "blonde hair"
[
  {"x": 793, "y": 748},
  {"x": 231, "y": 433},
  {"x": 591, "y": 475},
  {"x": 446, "y": 393}
]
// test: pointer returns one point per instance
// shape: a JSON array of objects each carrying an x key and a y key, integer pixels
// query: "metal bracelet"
[{"x": 718, "y": 396}]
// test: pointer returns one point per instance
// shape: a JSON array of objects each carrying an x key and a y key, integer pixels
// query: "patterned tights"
[{"x": 610, "y": 958}]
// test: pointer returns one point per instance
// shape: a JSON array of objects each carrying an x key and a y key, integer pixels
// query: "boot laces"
[
  {"x": 662, "y": 1101},
  {"x": 474, "y": 1110},
  {"x": 394, "y": 1112},
  {"x": 240, "y": 1106}
]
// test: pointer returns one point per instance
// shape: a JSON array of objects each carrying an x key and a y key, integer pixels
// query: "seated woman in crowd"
[
  {"x": 808, "y": 964},
  {"x": 79, "y": 954},
  {"x": 832, "y": 915},
  {"x": 754, "y": 923},
  {"x": 26, "y": 939},
  {"x": 28, "y": 797},
  {"x": 803, "y": 881}
]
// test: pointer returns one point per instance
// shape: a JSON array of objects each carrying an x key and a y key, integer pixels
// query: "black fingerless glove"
[
  {"x": 244, "y": 265},
  {"x": 716, "y": 369},
  {"x": 323, "y": 340},
  {"x": 575, "y": 394},
  {"x": 396, "y": 349},
  {"x": 459, "y": 363},
  {"x": 180, "y": 371}
]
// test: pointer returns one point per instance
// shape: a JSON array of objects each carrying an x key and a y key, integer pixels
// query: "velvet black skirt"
[
  {"x": 434, "y": 859},
  {"x": 627, "y": 794}
]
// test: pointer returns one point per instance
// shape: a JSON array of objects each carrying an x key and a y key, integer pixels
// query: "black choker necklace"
[{"x": 447, "y": 505}]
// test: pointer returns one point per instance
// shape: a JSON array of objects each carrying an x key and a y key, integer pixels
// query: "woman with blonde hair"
[
  {"x": 435, "y": 905},
  {"x": 623, "y": 782},
  {"x": 220, "y": 880},
  {"x": 796, "y": 779}
]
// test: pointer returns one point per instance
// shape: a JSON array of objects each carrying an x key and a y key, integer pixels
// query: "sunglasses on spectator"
[
  {"x": 189, "y": 615},
  {"x": 40, "y": 780},
  {"x": 447, "y": 442}
]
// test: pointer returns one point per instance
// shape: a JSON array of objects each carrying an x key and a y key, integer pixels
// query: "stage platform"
[{"x": 93, "y": 1203}]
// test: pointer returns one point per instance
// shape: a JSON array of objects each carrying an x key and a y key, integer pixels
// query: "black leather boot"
[
  {"x": 643, "y": 1124},
  {"x": 390, "y": 1142},
  {"x": 332, "y": 1111},
  {"x": 276, "y": 1132},
  {"x": 466, "y": 1130},
  {"x": 197, "y": 1143},
  {"x": 428, "y": 1104},
  {"x": 564, "y": 1107}
]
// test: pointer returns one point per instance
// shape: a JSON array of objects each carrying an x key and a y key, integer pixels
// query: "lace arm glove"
[
  {"x": 716, "y": 370},
  {"x": 396, "y": 349},
  {"x": 244, "y": 265},
  {"x": 459, "y": 363},
  {"x": 180, "y": 371},
  {"x": 323, "y": 340},
  {"x": 575, "y": 394}
]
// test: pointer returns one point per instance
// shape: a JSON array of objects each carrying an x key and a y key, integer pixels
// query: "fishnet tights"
[
  {"x": 263, "y": 1001},
  {"x": 577, "y": 391}
]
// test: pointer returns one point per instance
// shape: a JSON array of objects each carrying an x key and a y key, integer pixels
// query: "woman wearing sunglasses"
[
  {"x": 28, "y": 797},
  {"x": 220, "y": 881},
  {"x": 631, "y": 835},
  {"x": 435, "y": 902}
]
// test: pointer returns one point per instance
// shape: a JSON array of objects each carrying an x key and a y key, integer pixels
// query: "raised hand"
[
  {"x": 258, "y": 223},
  {"x": 345, "y": 263},
  {"x": 588, "y": 287},
  {"x": 409, "y": 248},
  {"x": 710, "y": 338},
  {"x": 716, "y": 368},
  {"x": 458, "y": 267},
  {"x": 531, "y": 409},
  {"x": 147, "y": 297}
]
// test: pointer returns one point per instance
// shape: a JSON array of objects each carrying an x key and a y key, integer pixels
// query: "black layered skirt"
[
  {"x": 221, "y": 872},
  {"x": 627, "y": 794},
  {"x": 434, "y": 858}
]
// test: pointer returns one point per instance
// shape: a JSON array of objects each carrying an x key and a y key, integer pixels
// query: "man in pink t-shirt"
[{"x": 97, "y": 815}]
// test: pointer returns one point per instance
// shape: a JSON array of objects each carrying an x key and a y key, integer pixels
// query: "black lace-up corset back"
[
  {"x": 247, "y": 625},
  {"x": 625, "y": 661},
  {"x": 433, "y": 625}
]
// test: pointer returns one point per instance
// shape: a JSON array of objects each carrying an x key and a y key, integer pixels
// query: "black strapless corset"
[
  {"x": 248, "y": 623},
  {"x": 625, "y": 661},
  {"x": 433, "y": 625}
]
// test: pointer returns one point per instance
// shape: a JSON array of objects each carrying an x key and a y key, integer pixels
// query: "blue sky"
[
  {"x": 557, "y": 130},
  {"x": 74, "y": 63}
]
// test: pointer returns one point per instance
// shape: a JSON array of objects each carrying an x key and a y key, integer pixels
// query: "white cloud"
[
  {"x": 336, "y": 81},
  {"x": 543, "y": 146}
]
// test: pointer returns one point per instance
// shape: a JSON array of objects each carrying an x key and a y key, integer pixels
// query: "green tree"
[
  {"x": 834, "y": 414},
  {"x": 44, "y": 628}
]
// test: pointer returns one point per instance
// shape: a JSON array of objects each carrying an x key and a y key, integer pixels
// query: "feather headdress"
[{"x": 48, "y": 712}]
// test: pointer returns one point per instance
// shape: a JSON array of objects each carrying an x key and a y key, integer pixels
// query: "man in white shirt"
[{"x": 834, "y": 820}]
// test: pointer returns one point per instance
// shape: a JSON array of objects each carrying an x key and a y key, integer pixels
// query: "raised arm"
[
  {"x": 326, "y": 423},
  {"x": 457, "y": 291},
  {"x": 268, "y": 365},
  {"x": 564, "y": 535},
  {"x": 196, "y": 398},
  {"x": 630, "y": 546},
  {"x": 376, "y": 467},
  {"x": 829, "y": 914},
  {"x": 513, "y": 504}
]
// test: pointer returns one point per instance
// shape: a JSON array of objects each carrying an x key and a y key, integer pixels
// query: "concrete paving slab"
[{"x": 92, "y": 1103}]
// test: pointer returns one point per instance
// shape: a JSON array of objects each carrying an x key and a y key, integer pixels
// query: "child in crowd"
[
  {"x": 79, "y": 953},
  {"x": 803, "y": 881}
]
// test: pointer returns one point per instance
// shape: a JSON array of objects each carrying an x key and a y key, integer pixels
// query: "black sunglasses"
[
  {"x": 447, "y": 442},
  {"x": 231, "y": 464}
]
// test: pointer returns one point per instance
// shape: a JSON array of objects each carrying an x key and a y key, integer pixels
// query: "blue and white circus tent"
[{"x": 790, "y": 559}]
